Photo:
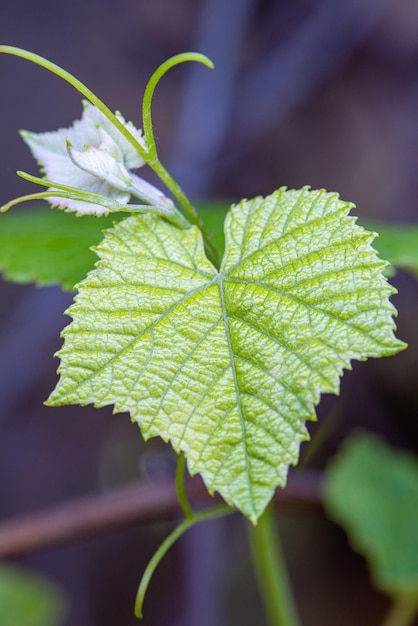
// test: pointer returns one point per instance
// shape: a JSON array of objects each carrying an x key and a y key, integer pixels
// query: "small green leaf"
[
  {"x": 48, "y": 247},
  {"x": 27, "y": 599},
  {"x": 228, "y": 365},
  {"x": 372, "y": 491}
]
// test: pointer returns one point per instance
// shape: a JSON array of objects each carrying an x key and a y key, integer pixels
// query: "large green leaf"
[
  {"x": 49, "y": 247},
  {"x": 228, "y": 365},
  {"x": 372, "y": 491}
]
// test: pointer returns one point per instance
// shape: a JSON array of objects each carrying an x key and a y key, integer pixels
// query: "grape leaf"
[
  {"x": 49, "y": 247},
  {"x": 228, "y": 364},
  {"x": 372, "y": 491}
]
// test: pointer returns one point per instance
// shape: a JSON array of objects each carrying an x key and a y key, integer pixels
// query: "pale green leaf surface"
[
  {"x": 49, "y": 247},
  {"x": 27, "y": 599},
  {"x": 228, "y": 365},
  {"x": 372, "y": 491},
  {"x": 397, "y": 243}
]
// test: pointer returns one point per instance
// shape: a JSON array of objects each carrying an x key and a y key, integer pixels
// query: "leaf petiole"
[
  {"x": 56, "y": 190},
  {"x": 168, "y": 212},
  {"x": 73, "y": 192},
  {"x": 181, "y": 488},
  {"x": 44, "y": 195}
]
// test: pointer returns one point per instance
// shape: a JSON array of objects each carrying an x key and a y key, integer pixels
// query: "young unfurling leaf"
[{"x": 94, "y": 157}]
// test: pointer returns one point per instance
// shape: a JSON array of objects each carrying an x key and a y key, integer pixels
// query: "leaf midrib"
[{"x": 220, "y": 281}]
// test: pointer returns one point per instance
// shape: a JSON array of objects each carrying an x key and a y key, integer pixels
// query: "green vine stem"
[
  {"x": 271, "y": 572},
  {"x": 402, "y": 612},
  {"x": 217, "y": 511}
]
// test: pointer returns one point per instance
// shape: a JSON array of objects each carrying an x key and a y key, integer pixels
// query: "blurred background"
[{"x": 304, "y": 92}]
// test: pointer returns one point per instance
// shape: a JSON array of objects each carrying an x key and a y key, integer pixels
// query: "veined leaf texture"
[{"x": 228, "y": 364}]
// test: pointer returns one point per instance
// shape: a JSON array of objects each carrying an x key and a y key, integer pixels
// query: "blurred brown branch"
[{"x": 128, "y": 506}]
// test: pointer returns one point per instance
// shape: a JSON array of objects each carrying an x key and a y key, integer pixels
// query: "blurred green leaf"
[
  {"x": 49, "y": 247},
  {"x": 27, "y": 599},
  {"x": 398, "y": 244},
  {"x": 372, "y": 491},
  {"x": 213, "y": 214}
]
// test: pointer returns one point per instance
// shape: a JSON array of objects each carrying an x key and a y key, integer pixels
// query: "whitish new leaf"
[{"x": 228, "y": 365}]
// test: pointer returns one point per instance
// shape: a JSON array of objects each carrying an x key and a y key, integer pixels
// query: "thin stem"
[
  {"x": 168, "y": 212},
  {"x": 44, "y": 195},
  {"x": 271, "y": 572},
  {"x": 150, "y": 88},
  {"x": 73, "y": 192},
  {"x": 181, "y": 487},
  {"x": 402, "y": 612},
  {"x": 152, "y": 158},
  {"x": 211, "y": 513},
  {"x": 139, "y": 504},
  {"x": 78, "y": 195},
  {"x": 81, "y": 87}
]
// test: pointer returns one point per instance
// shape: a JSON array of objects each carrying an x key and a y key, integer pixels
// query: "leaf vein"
[
  {"x": 312, "y": 307},
  {"x": 147, "y": 329},
  {"x": 290, "y": 235},
  {"x": 282, "y": 344},
  {"x": 236, "y": 385}
]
